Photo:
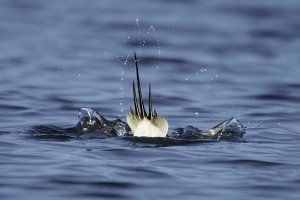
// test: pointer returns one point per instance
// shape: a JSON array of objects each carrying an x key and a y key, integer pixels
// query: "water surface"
[{"x": 207, "y": 61}]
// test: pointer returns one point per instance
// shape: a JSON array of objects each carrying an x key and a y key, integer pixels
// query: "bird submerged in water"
[
  {"x": 141, "y": 123},
  {"x": 149, "y": 128}
]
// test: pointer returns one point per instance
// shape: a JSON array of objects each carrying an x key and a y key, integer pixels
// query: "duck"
[{"x": 141, "y": 123}]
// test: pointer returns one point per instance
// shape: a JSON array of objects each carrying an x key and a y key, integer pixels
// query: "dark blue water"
[{"x": 207, "y": 61}]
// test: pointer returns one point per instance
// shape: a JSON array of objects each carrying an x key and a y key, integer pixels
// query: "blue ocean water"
[{"x": 207, "y": 61}]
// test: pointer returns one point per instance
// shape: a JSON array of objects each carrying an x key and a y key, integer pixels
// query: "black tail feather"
[
  {"x": 142, "y": 107},
  {"x": 137, "y": 112},
  {"x": 141, "y": 111},
  {"x": 150, "y": 103}
]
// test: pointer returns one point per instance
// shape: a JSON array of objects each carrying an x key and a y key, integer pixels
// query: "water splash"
[
  {"x": 230, "y": 129},
  {"x": 139, "y": 36},
  {"x": 91, "y": 121},
  {"x": 126, "y": 60},
  {"x": 91, "y": 124},
  {"x": 122, "y": 95},
  {"x": 152, "y": 30}
]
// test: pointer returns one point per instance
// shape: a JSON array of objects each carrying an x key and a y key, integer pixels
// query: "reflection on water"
[{"x": 207, "y": 61}]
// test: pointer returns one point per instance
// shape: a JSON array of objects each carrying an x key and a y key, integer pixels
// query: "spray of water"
[{"x": 142, "y": 43}]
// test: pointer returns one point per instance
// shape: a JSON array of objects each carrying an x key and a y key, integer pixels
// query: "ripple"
[
  {"x": 252, "y": 163},
  {"x": 142, "y": 171},
  {"x": 13, "y": 107},
  {"x": 273, "y": 34},
  {"x": 156, "y": 60},
  {"x": 172, "y": 100},
  {"x": 19, "y": 5},
  {"x": 150, "y": 60},
  {"x": 277, "y": 97},
  {"x": 255, "y": 11},
  {"x": 245, "y": 48},
  {"x": 106, "y": 195},
  {"x": 100, "y": 184},
  {"x": 163, "y": 142}
]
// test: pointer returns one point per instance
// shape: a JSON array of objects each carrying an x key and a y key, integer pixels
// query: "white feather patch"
[{"x": 157, "y": 127}]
